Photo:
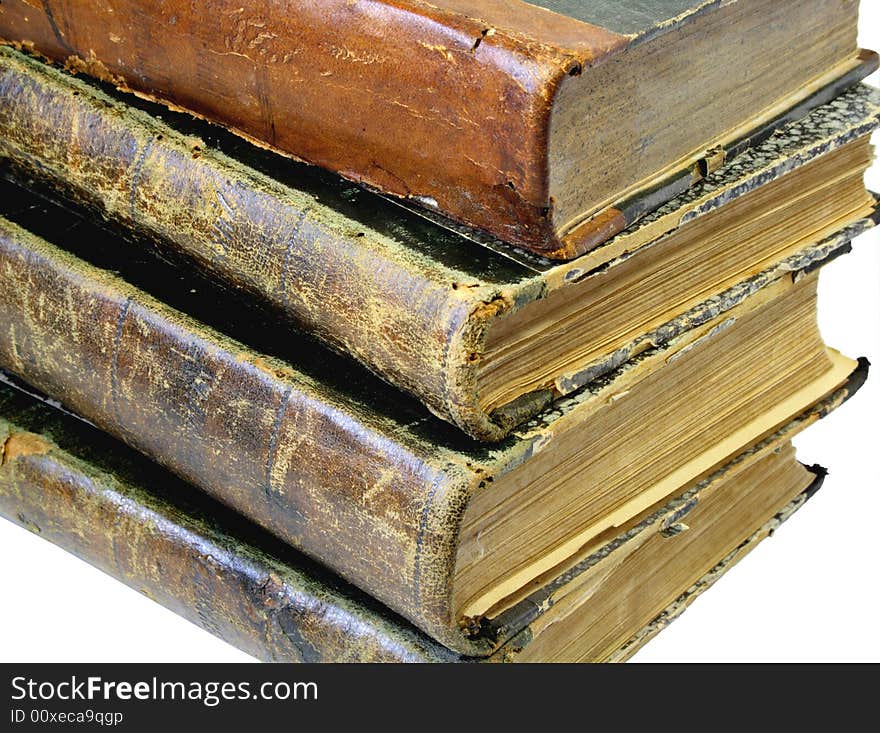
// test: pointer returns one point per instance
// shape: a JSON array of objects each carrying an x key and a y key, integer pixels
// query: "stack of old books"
[{"x": 510, "y": 374}]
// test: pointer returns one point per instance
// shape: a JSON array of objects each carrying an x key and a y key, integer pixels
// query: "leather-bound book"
[
  {"x": 550, "y": 124},
  {"x": 485, "y": 341},
  {"x": 446, "y": 531},
  {"x": 75, "y": 487}
]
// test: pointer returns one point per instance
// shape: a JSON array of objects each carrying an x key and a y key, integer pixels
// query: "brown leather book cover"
[{"x": 453, "y": 104}]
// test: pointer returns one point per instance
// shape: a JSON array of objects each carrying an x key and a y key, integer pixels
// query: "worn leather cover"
[
  {"x": 409, "y": 299},
  {"x": 447, "y": 103},
  {"x": 300, "y": 441},
  {"x": 77, "y": 488}
]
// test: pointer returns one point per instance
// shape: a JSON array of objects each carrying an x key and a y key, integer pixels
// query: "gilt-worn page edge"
[{"x": 675, "y": 610}]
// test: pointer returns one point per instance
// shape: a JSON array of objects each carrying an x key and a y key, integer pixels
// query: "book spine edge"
[{"x": 346, "y": 286}]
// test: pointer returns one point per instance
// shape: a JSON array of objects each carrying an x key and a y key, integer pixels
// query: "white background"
[{"x": 809, "y": 593}]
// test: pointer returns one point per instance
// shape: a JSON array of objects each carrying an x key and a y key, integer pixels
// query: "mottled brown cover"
[
  {"x": 79, "y": 489},
  {"x": 446, "y": 102},
  {"x": 410, "y": 300},
  {"x": 361, "y": 95}
]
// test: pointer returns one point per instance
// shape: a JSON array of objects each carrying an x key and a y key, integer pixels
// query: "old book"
[
  {"x": 538, "y": 122},
  {"x": 484, "y": 341},
  {"x": 333, "y": 462},
  {"x": 74, "y": 486}
]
